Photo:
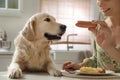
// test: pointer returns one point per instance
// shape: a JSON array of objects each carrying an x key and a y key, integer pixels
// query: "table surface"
[{"x": 45, "y": 76}]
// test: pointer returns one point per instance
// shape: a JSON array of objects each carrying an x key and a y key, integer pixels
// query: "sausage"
[{"x": 85, "y": 24}]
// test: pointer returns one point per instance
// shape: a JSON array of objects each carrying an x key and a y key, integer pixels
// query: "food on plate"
[
  {"x": 92, "y": 70},
  {"x": 85, "y": 24},
  {"x": 101, "y": 70}
]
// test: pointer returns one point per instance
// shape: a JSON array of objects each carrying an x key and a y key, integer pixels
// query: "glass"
[
  {"x": 13, "y": 4},
  {"x": 2, "y": 3},
  {"x": 6, "y": 45}
]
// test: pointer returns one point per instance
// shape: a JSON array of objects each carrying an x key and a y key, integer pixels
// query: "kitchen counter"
[
  {"x": 71, "y": 42},
  {"x": 45, "y": 76},
  {"x": 5, "y": 59},
  {"x": 6, "y": 52}
]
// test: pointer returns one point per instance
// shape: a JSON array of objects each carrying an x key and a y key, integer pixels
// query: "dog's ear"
[{"x": 29, "y": 31}]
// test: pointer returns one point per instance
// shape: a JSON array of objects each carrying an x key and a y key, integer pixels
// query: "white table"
[{"x": 43, "y": 76}]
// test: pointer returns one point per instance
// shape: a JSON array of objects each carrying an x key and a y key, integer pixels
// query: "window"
[
  {"x": 10, "y": 7},
  {"x": 69, "y": 12}
]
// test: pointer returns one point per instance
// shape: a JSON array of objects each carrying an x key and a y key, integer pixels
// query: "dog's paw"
[
  {"x": 55, "y": 72},
  {"x": 14, "y": 73}
]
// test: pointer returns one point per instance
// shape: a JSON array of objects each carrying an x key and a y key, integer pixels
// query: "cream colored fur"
[{"x": 32, "y": 48}]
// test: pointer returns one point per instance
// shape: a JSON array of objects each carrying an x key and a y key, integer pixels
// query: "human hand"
[
  {"x": 70, "y": 66},
  {"x": 103, "y": 34}
]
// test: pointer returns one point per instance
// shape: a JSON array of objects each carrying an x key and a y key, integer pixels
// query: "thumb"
[
  {"x": 102, "y": 23},
  {"x": 93, "y": 30}
]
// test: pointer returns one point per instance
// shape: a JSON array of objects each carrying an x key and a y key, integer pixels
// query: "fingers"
[
  {"x": 101, "y": 23},
  {"x": 69, "y": 67},
  {"x": 66, "y": 64},
  {"x": 97, "y": 29},
  {"x": 100, "y": 38},
  {"x": 91, "y": 25},
  {"x": 94, "y": 30}
]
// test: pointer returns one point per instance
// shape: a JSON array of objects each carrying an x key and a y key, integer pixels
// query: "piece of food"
[
  {"x": 92, "y": 70},
  {"x": 101, "y": 70},
  {"x": 85, "y": 24}
]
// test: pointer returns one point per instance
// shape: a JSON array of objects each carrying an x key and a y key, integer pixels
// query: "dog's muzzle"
[{"x": 58, "y": 35}]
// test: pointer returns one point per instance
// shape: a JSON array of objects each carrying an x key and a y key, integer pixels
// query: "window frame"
[
  {"x": 77, "y": 38},
  {"x": 12, "y": 12}
]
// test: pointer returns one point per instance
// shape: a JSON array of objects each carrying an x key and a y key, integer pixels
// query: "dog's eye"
[{"x": 47, "y": 19}]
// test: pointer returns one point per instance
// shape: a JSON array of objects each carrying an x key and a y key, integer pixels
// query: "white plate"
[
  {"x": 97, "y": 74},
  {"x": 107, "y": 75}
]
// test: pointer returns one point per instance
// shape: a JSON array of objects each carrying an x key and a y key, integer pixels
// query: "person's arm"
[
  {"x": 104, "y": 40},
  {"x": 92, "y": 61},
  {"x": 89, "y": 62},
  {"x": 113, "y": 53}
]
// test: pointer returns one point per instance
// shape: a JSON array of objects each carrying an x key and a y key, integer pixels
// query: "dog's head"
[{"x": 43, "y": 26}]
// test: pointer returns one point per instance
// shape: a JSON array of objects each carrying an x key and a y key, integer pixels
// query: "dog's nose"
[{"x": 63, "y": 27}]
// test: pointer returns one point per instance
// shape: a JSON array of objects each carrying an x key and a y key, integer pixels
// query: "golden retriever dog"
[{"x": 32, "y": 46}]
